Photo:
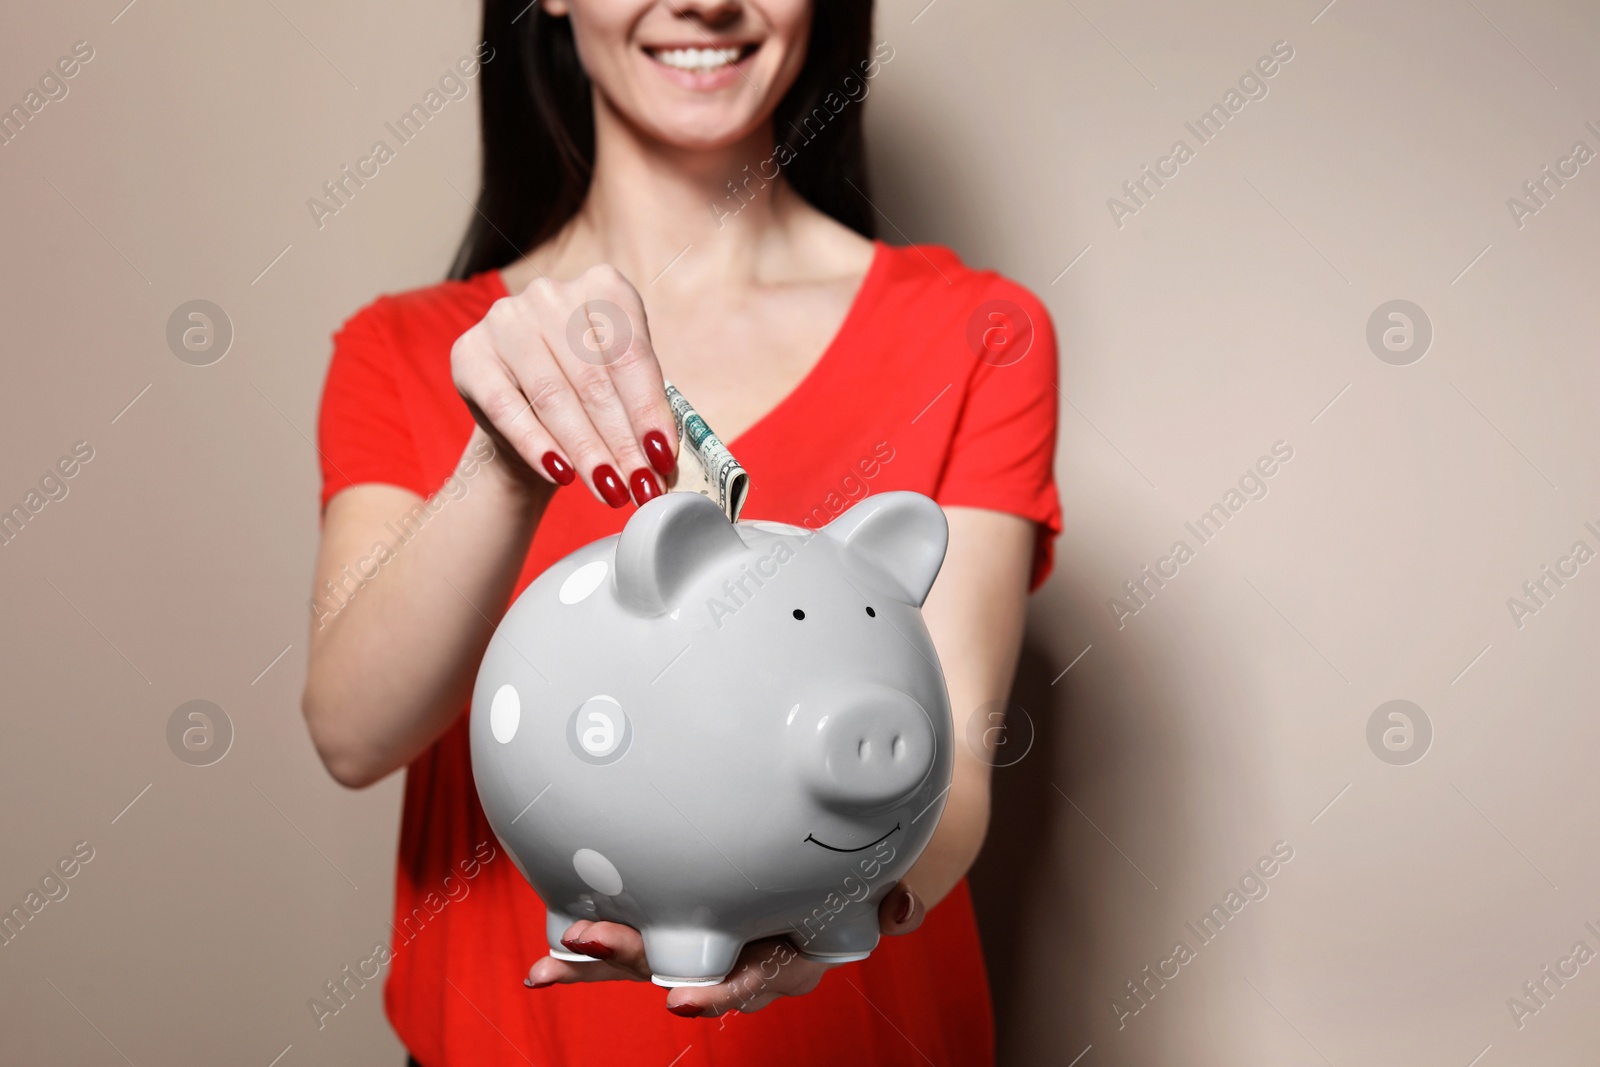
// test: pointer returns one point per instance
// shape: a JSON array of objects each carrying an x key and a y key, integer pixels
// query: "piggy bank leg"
[
  {"x": 851, "y": 936},
  {"x": 556, "y": 924},
  {"x": 690, "y": 957}
]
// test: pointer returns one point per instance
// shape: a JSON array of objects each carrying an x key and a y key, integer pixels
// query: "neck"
[{"x": 649, "y": 201}]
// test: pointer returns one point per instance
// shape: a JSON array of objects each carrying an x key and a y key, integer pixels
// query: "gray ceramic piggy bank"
[{"x": 715, "y": 732}]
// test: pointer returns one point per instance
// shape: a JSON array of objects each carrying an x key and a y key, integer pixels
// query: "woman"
[{"x": 680, "y": 188}]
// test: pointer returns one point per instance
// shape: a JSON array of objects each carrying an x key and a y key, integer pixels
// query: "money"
[{"x": 714, "y": 472}]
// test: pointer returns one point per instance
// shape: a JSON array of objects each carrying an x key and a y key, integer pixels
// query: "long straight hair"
[{"x": 536, "y": 115}]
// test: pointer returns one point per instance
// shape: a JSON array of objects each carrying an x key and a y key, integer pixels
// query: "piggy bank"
[{"x": 717, "y": 732}]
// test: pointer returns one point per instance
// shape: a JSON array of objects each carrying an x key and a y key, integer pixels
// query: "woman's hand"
[
  {"x": 563, "y": 376},
  {"x": 766, "y": 969}
]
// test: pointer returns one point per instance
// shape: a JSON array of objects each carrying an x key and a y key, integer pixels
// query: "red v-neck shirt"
[{"x": 941, "y": 380}]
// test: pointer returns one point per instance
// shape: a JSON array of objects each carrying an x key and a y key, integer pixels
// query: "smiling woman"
[{"x": 609, "y": 128}]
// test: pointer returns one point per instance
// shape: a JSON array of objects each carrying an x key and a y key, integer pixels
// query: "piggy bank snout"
[{"x": 865, "y": 752}]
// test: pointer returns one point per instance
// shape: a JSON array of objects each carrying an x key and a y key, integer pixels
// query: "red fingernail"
[
  {"x": 645, "y": 486},
  {"x": 592, "y": 948},
  {"x": 609, "y": 486},
  {"x": 659, "y": 452},
  {"x": 687, "y": 1011},
  {"x": 559, "y": 469}
]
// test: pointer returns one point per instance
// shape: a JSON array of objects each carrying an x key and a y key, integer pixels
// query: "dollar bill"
[{"x": 713, "y": 472}]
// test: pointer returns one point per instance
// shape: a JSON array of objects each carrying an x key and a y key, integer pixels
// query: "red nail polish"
[
  {"x": 593, "y": 948},
  {"x": 687, "y": 1011},
  {"x": 559, "y": 468},
  {"x": 645, "y": 486},
  {"x": 609, "y": 486},
  {"x": 659, "y": 452}
]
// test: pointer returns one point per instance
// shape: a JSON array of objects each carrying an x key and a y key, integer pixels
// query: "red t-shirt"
[{"x": 899, "y": 400}]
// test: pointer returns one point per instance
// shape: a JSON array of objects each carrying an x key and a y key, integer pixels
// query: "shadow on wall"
[
  {"x": 1145, "y": 770},
  {"x": 1013, "y": 878},
  {"x": 1061, "y": 909}
]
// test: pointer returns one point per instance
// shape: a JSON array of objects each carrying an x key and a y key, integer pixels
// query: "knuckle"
[
  {"x": 586, "y": 448},
  {"x": 501, "y": 405},
  {"x": 475, "y": 382},
  {"x": 461, "y": 373},
  {"x": 633, "y": 359},
  {"x": 596, "y": 388},
  {"x": 604, "y": 275},
  {"x": 644, "y": 412},
  {"x": 540, "y": 293},
  {"x": 545, "y": 393},
  {"x": 464, "y": 350},
  {"x": 503, "y": 313},
  {"x": 607, "y": 282}
]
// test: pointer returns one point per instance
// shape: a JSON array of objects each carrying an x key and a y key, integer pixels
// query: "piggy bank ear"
[
  {"x": 900, "y": 535},
  {"x": 666, "y": 544}
]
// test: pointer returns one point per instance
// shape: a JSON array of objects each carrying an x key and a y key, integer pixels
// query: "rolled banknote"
[{"x": 713, "y": 471}]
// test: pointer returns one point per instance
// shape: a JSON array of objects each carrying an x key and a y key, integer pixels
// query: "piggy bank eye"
[
  {"x": 799, "y": 614},
  {"x": 870, "y": 613}
]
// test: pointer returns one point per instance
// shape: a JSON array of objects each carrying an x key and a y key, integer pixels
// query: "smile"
[
  {"x": 868, "y": 845},
  {"x": 701, "y": 60}
]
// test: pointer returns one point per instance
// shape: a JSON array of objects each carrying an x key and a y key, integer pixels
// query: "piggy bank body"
[{"x": 718, "y": 732}]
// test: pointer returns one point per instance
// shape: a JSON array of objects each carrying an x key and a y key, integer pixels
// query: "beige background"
[{"x": 1228, "y": 715}]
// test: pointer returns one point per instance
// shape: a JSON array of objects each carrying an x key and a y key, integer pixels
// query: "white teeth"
[{"x": 697, "y": 59}]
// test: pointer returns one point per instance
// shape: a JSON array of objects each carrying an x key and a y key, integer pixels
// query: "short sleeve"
[
  {"x": 363, "y": 434},
  {"x": 1002, "y": 455}
]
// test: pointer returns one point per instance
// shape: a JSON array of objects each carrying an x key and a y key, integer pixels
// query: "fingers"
[
  {"x": 766, "y": 970},
  {"x": 596, "y": 395},
  {"x": 618, "y": 952},
  {"x": 900, "y": 911},
  {"x": 579, "y": 354},
  {"x": 773, "y": 968},
  {"x": 499, "y": 407},
  {"x": 634, "y": 371},
  {"x": 559, "y": 410},
  {"x": 551, "y": 971},
  {"x": 608, "y": 358}
]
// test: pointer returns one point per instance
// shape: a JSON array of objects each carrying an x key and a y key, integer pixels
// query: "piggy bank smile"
[
  {"x": 863, "y": 848},
  {"x": 718, "y": 732}
]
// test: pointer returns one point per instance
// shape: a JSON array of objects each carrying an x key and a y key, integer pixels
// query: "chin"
[{"x": 696, "y": 130}]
